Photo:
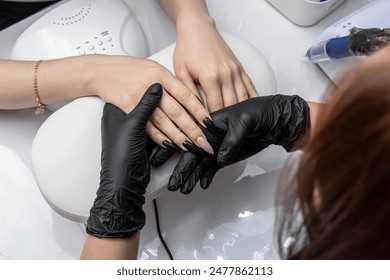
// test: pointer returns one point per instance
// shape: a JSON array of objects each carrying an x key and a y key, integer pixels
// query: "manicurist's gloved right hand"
[
  {"x": 125, "y": 169},
  {"x": 260, "y": 122},
  {"x": 242, "y": 130}
]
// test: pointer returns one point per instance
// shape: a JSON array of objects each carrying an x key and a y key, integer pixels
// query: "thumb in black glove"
[
  {"x": 261, "y": 121},
  {"x": 125, "y": 170}
]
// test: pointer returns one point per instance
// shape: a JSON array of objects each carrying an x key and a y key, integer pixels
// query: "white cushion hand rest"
[{"x": 66, "y": 150}]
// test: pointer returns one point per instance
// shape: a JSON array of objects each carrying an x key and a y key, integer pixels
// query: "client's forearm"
[
  {"x": 179, "y": 9},
  {"x": 56, "y": 80}
]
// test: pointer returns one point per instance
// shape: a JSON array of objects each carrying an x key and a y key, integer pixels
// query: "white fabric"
[{"x": 29, "y": 229}]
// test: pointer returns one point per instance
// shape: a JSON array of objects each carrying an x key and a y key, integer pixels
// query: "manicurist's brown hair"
[{"x": 338, "y": 206}]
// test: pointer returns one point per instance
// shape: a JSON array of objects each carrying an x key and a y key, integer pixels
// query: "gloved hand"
[
  {"x": 242, "y": 130},
  {"x": 262, "y": 121},
  {"x": 125, "y": 170}
]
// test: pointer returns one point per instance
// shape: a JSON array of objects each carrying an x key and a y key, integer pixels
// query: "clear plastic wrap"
[{"x": 367, "y": 41}]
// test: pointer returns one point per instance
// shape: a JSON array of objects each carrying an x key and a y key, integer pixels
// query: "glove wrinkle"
[
  {"x": 187, "y": 164},
  {"x": 125, "y": 172}
]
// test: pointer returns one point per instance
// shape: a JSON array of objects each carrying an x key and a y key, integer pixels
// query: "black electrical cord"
[{"x": 159, "y": 231}]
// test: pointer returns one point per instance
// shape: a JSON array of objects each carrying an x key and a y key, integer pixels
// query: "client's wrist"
[
  {"x": 93, "y": 69},
  {"x": 189, "y": 23}
]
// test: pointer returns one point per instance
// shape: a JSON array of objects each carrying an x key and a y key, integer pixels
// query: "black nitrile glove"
[
  {"x": 261, "y": 121},
  {"x": 241, "y": 131},
  {"x": 125, "y": 172},
  {"x": 163, "y": 154}
]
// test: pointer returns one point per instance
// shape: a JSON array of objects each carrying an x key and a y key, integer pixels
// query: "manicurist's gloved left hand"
[{"x": 125, "y": 169}]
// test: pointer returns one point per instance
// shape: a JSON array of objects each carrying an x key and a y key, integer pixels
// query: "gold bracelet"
[{"x": 40, "y": 106}]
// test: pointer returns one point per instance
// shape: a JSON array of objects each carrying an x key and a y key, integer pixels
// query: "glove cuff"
[
  {"x": 294, "y": 120},
  {"x": 116, "y": 215}
]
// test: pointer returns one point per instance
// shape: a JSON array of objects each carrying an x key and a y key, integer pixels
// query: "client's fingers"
[
  {"x": 241, "y": 92},
  {"x": 212, "y": 90},
  {"x": 185, "y": 97},
  {"x": 155, "y": 134},
  {"x": 250, "y": 88},
  {"x": 164, "y": 124},
  {"x": 177, "y": 114},
  {"x": 228, "y": 93},
  {"x": 186, "y": 78}
]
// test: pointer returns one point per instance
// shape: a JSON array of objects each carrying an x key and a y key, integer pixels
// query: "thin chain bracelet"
[{"x": 40, "y": 106}]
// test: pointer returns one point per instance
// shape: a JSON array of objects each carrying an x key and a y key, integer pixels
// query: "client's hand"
[
  {"x": 121, "y": 80},
  {"x": 242, "y": 130},
  {"x": 202, "y": 57},
  {"x": 125, "y": 172}
]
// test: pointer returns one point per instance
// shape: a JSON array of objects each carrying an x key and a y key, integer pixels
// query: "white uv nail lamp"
[
  {"x": 82, "y": 27},
  {"x": 66, "y": 150}
]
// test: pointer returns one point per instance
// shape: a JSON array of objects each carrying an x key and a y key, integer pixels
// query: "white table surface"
[{"x": 229, "y": 222}]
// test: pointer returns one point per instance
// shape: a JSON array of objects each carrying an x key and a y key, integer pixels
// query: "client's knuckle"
[
  {"x": 175, "y": 111},
  {"x": 184, "y": 95},
  {"x": 159, "y": 118}
]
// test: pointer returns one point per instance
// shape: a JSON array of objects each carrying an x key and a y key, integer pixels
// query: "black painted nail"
[
  {"x": 209, "y": 123},
  {"x": 194, "y": 149},
  {"x": 171, "y": 146}
]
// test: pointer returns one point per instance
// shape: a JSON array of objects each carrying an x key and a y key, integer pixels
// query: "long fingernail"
[
  {"x": 194, "y": 149},
  {"x": 209, "y": 123},
  {"x": 202, "y": 142},
  {"x": 171, "y": 146}
]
